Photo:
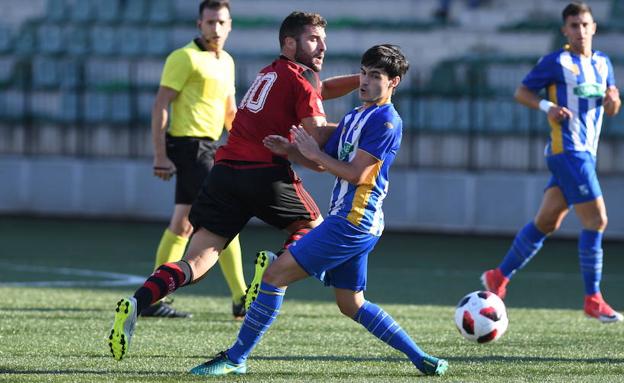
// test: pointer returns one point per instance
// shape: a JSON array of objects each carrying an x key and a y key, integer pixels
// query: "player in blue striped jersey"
[
  {"x": 359, "y": 154},
  {"x": 580, "y": 87}
]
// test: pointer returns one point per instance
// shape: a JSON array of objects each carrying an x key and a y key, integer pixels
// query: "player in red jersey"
[{"x": 247, "y": 179}]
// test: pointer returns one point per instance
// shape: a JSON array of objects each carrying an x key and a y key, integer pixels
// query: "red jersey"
[{"x": 282, "y": 94}]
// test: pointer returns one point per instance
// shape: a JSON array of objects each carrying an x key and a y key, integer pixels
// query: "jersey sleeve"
[
  {"x": 177, "y": 70},
  {"x": 308, "y": 100},
  {"x": 380, "y": 136},
  {"x": 541, "y": 75},
  {"x": 610, "y": 74}
]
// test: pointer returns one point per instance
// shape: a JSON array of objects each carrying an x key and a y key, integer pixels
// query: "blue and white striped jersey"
[
  {"x": 579, "y": 84},
  {"x": 376, "y": 130}
]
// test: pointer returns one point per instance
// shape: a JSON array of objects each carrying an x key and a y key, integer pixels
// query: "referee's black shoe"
[{"x": 164, "y": 310}]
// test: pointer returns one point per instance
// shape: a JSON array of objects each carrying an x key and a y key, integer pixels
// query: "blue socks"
[
  {"x": 258, "y": 319},
  {"x": 590, "y": 258},
  {"x": 380, "y": 324},
  {"x": 527, "y": 243}
]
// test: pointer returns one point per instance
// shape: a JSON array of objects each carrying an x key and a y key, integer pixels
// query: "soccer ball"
[{"x": 481, "y": 317}]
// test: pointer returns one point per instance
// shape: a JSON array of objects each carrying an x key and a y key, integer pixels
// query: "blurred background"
[{"x": 78, "y": 78}]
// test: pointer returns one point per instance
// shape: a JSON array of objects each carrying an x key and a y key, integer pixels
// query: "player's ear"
[
  {"x": 290, "y": 43},
  {"x": 395, "y": 81}
]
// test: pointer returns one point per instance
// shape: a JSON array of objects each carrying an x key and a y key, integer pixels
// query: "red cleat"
[
  {"x": 494, "y": 281},
  {"x": 596, "y": 307}
]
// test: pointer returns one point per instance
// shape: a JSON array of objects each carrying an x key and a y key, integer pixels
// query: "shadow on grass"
[{"x": 492, "y": 358}]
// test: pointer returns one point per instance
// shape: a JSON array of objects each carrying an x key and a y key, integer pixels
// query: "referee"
[{"x": 198, "y": 83}]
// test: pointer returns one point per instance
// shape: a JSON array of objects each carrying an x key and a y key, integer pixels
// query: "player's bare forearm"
[
  {"x": 339, "y": 86},
  {"x": 324, "y": 132},
  {"x": 612, "y": 102},
  {"x": 294, "y": 155},
  {"x": 281, "y": 146},
  {"x": 355, "y": 172},
  {"x": 318, "y": 128},
  {"x": 163, "y": 168},
  {"x": 527, "y": 97},
  {"x": 230, "y": 112},
  {"x": 159, "y": 126}
]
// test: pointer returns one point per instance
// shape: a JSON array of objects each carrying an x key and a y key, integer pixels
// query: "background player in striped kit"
[{"x": 581, "y": 89}]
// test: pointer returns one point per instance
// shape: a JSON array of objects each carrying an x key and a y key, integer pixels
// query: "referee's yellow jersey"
[{"x": 204, "y": 82}]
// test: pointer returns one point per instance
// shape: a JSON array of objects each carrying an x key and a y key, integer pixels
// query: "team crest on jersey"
[
  {"x": 601, "y": 66},
  {"x": 347, "y": 148},
  {"x": 571, "y": 67}
]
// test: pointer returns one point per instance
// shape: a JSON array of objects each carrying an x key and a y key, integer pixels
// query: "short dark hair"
[
  {"x": 293, "y": 24},
  {"x": 575, "y": 8},
  {"x": 387, "y": 57},
  {"x": 213, "y": 4}
]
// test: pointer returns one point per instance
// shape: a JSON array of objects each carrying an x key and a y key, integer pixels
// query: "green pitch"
[{"x": 57, "y": 334}]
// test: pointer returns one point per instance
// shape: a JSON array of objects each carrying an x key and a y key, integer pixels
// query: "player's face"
[
  {"x": 311, "y": 47},
  {"x": 375, "y": 85},
  {"x": 580, "y": 30},
  {"x": 215, "y": 26}
]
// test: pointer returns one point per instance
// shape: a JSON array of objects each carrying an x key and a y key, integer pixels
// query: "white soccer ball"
[{"x": 481, "y": 317}]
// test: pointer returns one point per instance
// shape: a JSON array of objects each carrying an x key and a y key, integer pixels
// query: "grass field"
[{"x": 59, "y": 281}]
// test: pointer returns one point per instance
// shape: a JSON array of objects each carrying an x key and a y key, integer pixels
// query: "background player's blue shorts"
[
  {"x": 575, "y": 174},
  {"x": 335, "y": 252}
]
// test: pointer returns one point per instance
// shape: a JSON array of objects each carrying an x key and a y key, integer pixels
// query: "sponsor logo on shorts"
[{"x": 583, "y": 189}]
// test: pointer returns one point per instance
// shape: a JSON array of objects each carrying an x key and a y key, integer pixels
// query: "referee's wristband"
[{"x": 545, "y": 105}]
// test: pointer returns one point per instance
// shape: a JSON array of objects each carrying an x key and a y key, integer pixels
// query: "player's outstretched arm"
[
  {"x": 338, "y": 86},
  {"x": 527, "y": 97},
  {"x": 612, "y": 101},
  {"x": 355, "y": 172}
]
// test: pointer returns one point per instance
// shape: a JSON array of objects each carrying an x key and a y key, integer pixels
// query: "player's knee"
[
  {"x": 182, "y": 229},
  {"x": 272, "y": 277},
  {"x": 348, "y": 310},
  {"x": 598, "y": 222},
  {"x": 348, "y": 307},
  {"x": 547, "y": 226}
]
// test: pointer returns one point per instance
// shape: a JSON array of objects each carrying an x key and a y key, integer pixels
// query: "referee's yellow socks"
[
  {"x": 232, "y": 268},
  {"x": 171, "y": 248}
]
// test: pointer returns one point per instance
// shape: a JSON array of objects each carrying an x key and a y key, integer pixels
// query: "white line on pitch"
[{"x": 107, "y": 278}]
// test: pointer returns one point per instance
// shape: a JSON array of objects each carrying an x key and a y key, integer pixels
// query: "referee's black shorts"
[
  {"x": 193, "y": 158},
  {"x": 235, "y": 191}
]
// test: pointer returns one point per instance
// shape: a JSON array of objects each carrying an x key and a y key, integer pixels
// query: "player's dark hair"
[
  {"x": 214, "y": 5},
  {"x": 387, "y": 57},
  {"x": 293, "y": 24},
  {"x": 575, "y": 8}
]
